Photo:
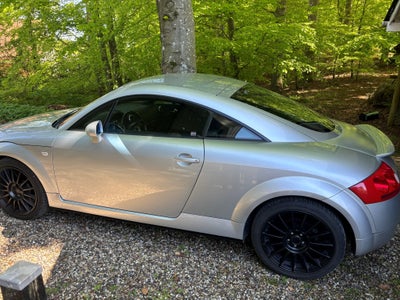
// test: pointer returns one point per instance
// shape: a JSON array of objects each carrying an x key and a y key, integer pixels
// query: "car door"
[
  {"x": 234, "y": 165},
  {"x": 148, "y": 161}
]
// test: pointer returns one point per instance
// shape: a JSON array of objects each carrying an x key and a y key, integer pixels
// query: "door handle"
[{"x": 187, "y": 159}]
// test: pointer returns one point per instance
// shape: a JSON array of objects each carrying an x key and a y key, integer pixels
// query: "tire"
[
  {"x": 21, "y": 193},
  {"x": 298, "y": 238}
]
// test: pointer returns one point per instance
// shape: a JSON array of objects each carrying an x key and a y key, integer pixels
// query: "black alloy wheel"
[
  {"x": 298, "y": 238},
  {"x": 21, "y": 194}
]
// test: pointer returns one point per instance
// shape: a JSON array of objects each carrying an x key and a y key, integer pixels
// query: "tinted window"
[
  {"x": 222, "y": 127},
  {"x": 100, "y": 113},
  {"x": 157, "y": 117},
  {"x": 283, "y": 107},
  {"x": 165, "y": 117}
]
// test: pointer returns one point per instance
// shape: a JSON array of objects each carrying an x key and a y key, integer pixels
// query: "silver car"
[{"x": 214, "y": 155}]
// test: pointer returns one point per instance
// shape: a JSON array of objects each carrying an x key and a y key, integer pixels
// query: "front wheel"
[
  {"x": 298, "y": 238},
  {"x": 21, "y": 194}
]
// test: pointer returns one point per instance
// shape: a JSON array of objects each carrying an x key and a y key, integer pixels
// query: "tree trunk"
[
  {"x": 108, "y": 81},
  {"x": 347, "y": 12},
  {"x": 113, "y": 61},
  {"x": 98, "y": 48},
  {"x": 276, "y": 76},
  {"x": 395, "y": 101},
  {"x": 232, "y": 55},
  {"x": 312, "y": 15},
  {"x": 362, "y": 16},
  {"x": 276, "y": 82},
  {"x": 177, "y": 36},
  {"x": 396, "y": 95},
  {"x": 280, "y": 10}
]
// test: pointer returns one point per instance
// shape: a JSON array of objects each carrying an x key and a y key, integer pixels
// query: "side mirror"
[{"x": 95, "y": 131}]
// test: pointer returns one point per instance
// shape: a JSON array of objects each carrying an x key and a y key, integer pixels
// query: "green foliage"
[
  {"x": 248, "y": 41},
  {"x": 13, "y": 111},
  {"x": 70, "y": 52},
  {"x": 283, "y": 40},
  {"x": 383, "y": 95},
  {"x": 354, "y": 45}
]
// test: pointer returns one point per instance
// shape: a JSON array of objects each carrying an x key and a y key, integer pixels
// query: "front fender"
[{"x": 37, "y": 158}]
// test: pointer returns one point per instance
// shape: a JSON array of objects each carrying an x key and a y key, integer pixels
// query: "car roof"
[
  {"x": 213, "y": 92},
  {"x": 211, "y": 84}
]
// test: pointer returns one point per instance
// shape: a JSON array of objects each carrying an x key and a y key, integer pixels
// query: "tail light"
[{"x": 382, "y": 185}]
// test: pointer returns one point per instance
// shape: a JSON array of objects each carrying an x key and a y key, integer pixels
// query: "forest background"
[{"x": 72, "y": 51}]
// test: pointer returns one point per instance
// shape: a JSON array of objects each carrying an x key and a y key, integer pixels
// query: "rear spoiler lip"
[{"x": 384, "y": 146}]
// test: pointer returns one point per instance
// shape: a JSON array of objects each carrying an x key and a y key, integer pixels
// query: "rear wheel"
[
  {"x": 298, "y": 238},
  {"x": 21, "y": 194}
]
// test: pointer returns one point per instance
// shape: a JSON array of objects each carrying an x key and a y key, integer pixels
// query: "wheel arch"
[
  {"x": 346, "y": 225},
  {"x": 355, "y": 217}
]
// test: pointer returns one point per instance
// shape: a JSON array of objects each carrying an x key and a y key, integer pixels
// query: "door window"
[
  {"x": 164, "y": 117},
  {"x": 157, "y": 117},
  {"x": 100, "y": 113}
]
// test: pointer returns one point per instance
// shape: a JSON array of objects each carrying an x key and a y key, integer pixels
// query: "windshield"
[{"x": 283, "y": 107}]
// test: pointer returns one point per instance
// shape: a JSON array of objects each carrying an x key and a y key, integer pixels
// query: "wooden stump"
[{"x": 23, "y": 281}]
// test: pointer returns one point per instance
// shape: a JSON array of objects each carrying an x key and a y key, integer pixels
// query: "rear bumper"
[
  {"x": 385, "y": 217},
  {"x": 372, "y": 225}
]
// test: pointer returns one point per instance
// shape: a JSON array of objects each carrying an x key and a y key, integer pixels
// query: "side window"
[
  {"x": 149, "y": 116},
  {"x": 163, "y": 117},
  {"x": 188, "y": 121},
  {"x": 100, "y": 113},
  {"x": 224, "y": 128}
]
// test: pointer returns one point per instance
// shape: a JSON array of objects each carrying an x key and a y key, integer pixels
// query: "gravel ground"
[{"x": 89, "y": 257}]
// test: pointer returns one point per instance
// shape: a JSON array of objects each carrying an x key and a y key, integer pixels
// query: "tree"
[
  {"x": 177, "y": 36},
  {"x": 30, "y": 43},
  {"x": 102, "y": 38},
  {"x": 394, "y": 107},
  {"x": 71, "y": 51}
]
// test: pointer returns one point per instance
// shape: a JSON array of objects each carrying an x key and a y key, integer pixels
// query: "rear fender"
[
  {"x": 338, "y": 198},
  {"x": 280, "y": 187}
]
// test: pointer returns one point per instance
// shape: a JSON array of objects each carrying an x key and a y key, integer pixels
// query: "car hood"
[
  {"x": 33, "y": 130},
  {"x": 363, "y": 138}
]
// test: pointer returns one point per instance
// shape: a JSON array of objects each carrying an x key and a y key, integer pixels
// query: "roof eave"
[{"x": 392, "y": 18}]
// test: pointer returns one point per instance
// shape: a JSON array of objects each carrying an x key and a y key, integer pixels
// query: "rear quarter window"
[{"x": 283, "y": 107}]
